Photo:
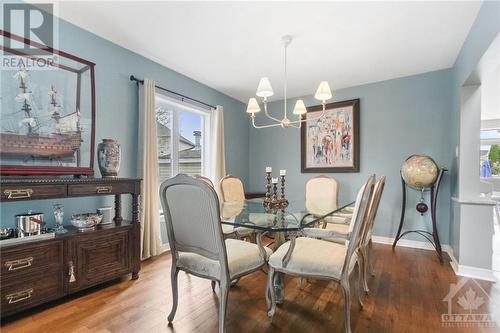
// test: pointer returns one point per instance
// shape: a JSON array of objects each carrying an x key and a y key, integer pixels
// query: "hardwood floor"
[{"x": 407, "y": 296}]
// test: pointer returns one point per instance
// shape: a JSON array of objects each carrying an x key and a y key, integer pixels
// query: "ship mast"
[
  {"x": 54, "y": 107},
  {"x": 26, "y": 97}
]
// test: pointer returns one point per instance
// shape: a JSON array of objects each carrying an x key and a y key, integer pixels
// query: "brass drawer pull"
[
  {"x": 104, "y": 189},
  {"x": 18, "y": 194},
  {"x": 13, "y": 265},
  {"x": 19, "y": 296}
]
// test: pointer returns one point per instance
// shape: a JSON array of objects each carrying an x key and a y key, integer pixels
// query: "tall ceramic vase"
[{"x": 109, "y": 157}]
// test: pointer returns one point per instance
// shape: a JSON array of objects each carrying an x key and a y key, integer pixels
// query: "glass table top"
[{"x": 252, "y": 214}]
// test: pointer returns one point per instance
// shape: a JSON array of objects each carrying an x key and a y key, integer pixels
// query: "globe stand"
[{"x": 424, "y": 233}]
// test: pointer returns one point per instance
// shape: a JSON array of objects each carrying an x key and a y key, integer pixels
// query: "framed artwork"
[
  {"x": 330, "y": 143},
  {"x": 47, "y": 110}
]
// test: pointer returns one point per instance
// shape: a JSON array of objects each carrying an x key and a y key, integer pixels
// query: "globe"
[{"x": 419, "y": 171}]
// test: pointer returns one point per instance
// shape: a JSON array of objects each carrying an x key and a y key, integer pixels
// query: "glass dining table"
[{"x": 283, "y": 222}]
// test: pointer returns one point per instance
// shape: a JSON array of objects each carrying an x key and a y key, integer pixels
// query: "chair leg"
[
  {"x": 272, "y": 295},
  {"x": 235, "y": 282},
  {"x": 300, "y": 283},
  {"x": 360, "y": 265},
  {"x": 370, "y": 258},
  {"x": 175, "y": 292},
  {"x": 224, "y": 291},
  {"x": 347, "y": 304},
  {"x": 364, "y": 269}
]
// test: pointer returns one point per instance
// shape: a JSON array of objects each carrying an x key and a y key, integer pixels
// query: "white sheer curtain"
[
  {"x": 217, "y": 156},
  {"x": 148, "y": 171}
]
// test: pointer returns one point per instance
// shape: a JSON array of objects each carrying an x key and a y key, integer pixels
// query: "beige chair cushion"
[
  {"x": 339, "y": 228},
  {"x": 337, "y": 219},
  {"x": 241, "y": 256},
  {"x": 321, "y": 195},
  {"x": 311, "y": 257},
  {"x": 232, "y": 189}
]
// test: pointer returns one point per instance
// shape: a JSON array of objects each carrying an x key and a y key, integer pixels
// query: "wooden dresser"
[{"x": 37, "y": 272}]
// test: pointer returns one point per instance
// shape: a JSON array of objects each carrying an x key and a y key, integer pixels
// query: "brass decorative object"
[
  {"x": 267, "y": 200},
  {"x": 272, "y": 201}
]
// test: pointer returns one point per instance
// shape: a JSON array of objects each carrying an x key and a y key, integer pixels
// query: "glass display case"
[{"x": 47, "y": 110}]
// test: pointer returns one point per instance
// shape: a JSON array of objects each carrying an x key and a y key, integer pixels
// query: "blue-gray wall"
[
  {"x": 398, "y": 118},
  {"x": 117, "y": 115},
  {"x": 484, "y": 30}
]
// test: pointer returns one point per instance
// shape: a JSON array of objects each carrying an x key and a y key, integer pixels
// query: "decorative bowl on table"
[{"x": 85, "y": 222}]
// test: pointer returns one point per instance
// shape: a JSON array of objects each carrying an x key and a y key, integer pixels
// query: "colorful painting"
[{"x": 330, "y": 141}]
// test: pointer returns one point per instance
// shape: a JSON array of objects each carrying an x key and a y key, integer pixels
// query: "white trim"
[
  {"x": 461, "y": 270},
  {"x": 474, "y": 201},
  {"x": 470, "y": 271}
]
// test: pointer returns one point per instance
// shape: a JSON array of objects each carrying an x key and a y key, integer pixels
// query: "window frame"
[{"x": 206, "y": 119}]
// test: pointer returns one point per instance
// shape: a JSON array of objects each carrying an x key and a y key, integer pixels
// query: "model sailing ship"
[{"x": 59, "y": 138}]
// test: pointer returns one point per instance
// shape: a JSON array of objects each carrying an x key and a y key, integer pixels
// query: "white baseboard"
[{"x": 461, "y": 270}]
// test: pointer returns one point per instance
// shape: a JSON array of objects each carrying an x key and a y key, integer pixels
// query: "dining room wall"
[
  {"x": 485, "y": 29},
  {"x": 117, "y": 112},
  {"x": 398, "y": 118}
]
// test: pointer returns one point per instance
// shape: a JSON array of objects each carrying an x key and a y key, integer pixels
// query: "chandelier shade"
[
  {"x": 299, "y": 108},
  {"x": 264, "y": 89},
  {"x": 323, "y": 93},
  {"x": 253, "y": 106}
]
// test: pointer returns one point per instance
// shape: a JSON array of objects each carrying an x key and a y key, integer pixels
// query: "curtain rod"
[{"x": 182, "y": 97}]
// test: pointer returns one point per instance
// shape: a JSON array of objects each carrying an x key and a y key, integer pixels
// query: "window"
[
  {"x": 183, "y": 134},
  {"x": 182, "y": 138}
]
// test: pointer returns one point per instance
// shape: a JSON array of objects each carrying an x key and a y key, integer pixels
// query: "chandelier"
[{"x": 265, "y": 90}]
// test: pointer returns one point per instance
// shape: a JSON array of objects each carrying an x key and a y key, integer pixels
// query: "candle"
[
  {"x": 275, "y": 180},
  {"x": 269, "y": 169},
  {"x": 282, "y": 172}
]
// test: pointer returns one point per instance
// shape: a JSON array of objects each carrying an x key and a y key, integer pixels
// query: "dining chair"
[
  {"x": 227, "y": 230},
  {"x": 232, "y": 190},
  {"x": 192, "y": 215},
  {"x": 314, "y": 258},
  {"x": 205, "y": 179},
  {"x": 321, "y": 195},
  {"x": 344, "y": 230}
]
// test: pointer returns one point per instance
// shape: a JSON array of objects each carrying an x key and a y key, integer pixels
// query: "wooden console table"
[{"x": 34, "y": 273}]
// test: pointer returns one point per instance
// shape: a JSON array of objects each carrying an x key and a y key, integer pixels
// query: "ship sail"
[{"x": 68, "y": 123}]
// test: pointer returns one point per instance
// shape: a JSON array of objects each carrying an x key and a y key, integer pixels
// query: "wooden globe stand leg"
[{"x": 435, "y": 236}]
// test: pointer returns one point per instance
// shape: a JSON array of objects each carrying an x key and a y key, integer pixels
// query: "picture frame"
[
  {"x": 331, "y": 143},
  {"x": 48, "y": 112}
]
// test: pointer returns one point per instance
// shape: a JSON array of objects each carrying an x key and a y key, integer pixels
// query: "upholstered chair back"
[
  {"x": 192, "y": 215},
  {"x": 358, "y": 223},
  {"x": 321, "y": 195},
  {"x": 232, "y": 189},
  {"x": 378, "y": 189},
  {"x": 205, "y": 179}
]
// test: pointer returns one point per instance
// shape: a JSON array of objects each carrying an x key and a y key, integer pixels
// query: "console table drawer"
[
  {"x": 29, "y": 259},
  {"x": 95, "y": 189},
  {"x": 32, "y": 192},
  {"x": 30, "y": 291}
]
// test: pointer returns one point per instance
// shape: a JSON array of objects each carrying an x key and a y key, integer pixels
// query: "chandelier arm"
[
  {"x": 267, "y": 113},
  {"x": 263, "y": 126},
  {"x": 323, "y": 113}
]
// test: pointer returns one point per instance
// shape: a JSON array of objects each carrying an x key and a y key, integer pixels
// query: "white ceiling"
[{"x": 230, "y": 45}]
